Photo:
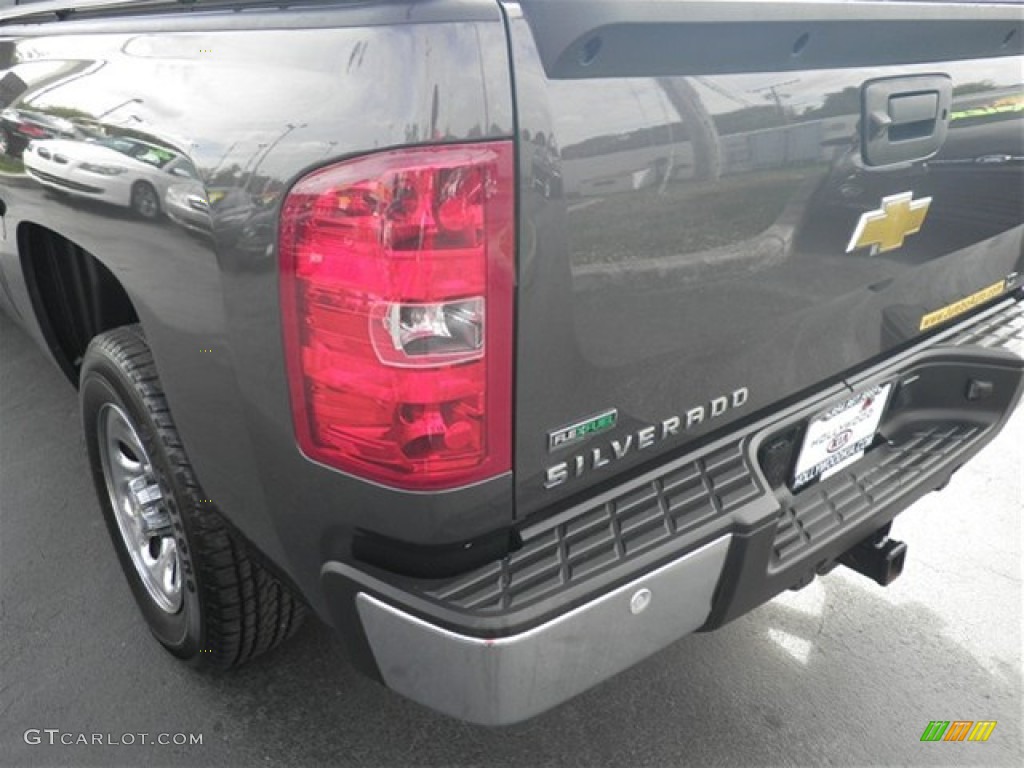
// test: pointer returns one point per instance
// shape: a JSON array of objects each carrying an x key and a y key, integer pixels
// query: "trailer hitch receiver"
[{"x": 878, "y": 557}]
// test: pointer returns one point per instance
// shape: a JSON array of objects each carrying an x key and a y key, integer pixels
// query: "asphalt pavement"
[{"x": 842, "y": 673}]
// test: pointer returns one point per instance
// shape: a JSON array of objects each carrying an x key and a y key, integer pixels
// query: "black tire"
[
  {"x": 145, "y": 201},
  {"x": 231, "y": 608}
]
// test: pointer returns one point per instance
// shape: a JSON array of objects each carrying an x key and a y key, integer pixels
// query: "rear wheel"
[
  {"x": 5, "y": 143},
  {"x": 201, "y": 593},
  {"x": 145, "y": 201}
]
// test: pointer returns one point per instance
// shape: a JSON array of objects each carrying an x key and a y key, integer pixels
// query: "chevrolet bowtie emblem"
[{"x": 886, "y": 228}]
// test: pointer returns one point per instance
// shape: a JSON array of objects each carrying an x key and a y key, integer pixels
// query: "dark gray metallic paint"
[
  {"x": 684, "y": 235},
  {"x": 655, "y": 271},
  {"x": 254, "y": 107}
]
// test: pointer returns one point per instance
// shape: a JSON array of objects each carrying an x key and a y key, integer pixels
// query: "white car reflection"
[
  {"x": 187, "y": 204},
  {"x": 122, "y": 171},
  {"x": 196, "y": 208}
]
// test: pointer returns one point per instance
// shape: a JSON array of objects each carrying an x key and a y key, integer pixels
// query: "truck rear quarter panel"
[{"x": 254, "y": 100}]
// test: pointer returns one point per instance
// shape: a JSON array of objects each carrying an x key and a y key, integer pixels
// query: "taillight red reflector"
[{"x": 396, "y": 296}]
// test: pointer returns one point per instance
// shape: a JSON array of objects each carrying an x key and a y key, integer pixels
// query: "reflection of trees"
[
  {"x": 68, "y": 72},
  {"x": 694, "y": 125},
  {"x": 11, "y": 88},
  {"x": 749, "y": 119},
  {"x": 977, "y": 87},
  {"x": 837, "y": 104},
  {"x": 8, "y": 50},
  {"x": 68, "y": 113},
  {"x": 754, "y": 118},
  {"x": 707, "y": 155},
  {"x": 233, "y": 175},
  {"x": 227, "y": 176},
  {"x": 120, "y": 131}
]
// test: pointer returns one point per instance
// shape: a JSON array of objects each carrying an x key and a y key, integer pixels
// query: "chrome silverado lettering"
[
  {"x": 621, "y": 449},
  {"x": 645, "y": 437},
  {"x": 694, "y": 416},
  {"x": 556, "y": 475}
]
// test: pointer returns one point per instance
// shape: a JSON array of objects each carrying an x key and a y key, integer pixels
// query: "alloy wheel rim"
[
  {"x": 139, "y": 508},
  {"x": 145, "y": 202}
]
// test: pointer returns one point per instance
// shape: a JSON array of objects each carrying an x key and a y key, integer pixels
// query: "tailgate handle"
[
  {"x": 914, "y": 107},
  {"x": 914, "y": 111},
  {"x": 906, "y": 118}
]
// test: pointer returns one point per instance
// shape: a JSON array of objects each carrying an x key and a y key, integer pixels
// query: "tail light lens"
[
  {"x": 31, "y": 130},
  {"x": 396, "y": 294}
]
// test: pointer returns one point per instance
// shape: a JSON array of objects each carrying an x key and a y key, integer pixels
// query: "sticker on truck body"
[{"x": 965, "y": 304}]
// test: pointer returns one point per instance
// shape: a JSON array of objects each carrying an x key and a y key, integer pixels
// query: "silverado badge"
[
  {"x": 886, "y": 228},
  {"x": 607, "y": 452}
]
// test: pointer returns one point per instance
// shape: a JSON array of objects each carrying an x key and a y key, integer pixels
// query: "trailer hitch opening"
[{"x": 878, "y": 557}]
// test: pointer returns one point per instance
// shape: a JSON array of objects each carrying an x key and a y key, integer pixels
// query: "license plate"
[{"x": 839, "y": 436}]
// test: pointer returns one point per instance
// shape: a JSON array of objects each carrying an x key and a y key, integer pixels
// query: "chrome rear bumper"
[
  {"x": 504, "y": 680},
  {"x": 709, "y": 535}
]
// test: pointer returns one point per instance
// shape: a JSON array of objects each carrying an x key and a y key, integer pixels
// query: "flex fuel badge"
[
  {"x": 576, "y": 432},
  {"x": 950, "y": 311}
]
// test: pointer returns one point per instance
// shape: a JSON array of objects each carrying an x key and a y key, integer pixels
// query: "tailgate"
[{"x": 718, "y": 214}]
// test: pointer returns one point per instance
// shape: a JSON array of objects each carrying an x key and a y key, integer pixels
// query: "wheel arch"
[{"x": 74, "y": 297}]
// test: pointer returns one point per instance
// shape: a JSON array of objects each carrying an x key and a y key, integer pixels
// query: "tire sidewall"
[
  {"x": 103, "y": 382},
  {"x": 145, "y": 188}
]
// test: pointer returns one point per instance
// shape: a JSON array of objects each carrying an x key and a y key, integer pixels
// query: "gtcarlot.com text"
[{"x": 55, "y": 736}]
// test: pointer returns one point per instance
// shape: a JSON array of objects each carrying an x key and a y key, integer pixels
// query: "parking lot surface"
[{"x": 841, "y": 673}]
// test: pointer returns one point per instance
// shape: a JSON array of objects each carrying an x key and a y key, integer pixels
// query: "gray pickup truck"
[{"x": 513, "y": 339}]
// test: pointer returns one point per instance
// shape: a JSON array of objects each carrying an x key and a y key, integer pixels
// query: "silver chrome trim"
[{"x": 505, "y": 680}]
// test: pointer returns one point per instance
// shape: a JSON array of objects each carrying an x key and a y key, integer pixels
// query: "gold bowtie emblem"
[{"x": 885, "y": 229}]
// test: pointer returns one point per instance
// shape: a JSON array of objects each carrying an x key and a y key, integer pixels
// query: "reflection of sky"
[
  {"x": 38, "y": 70},
  {"x": 258, "y": 87},
  {"x": 176, "y": 91},
  {"x": 628, "y": 104},
  {"x": 335, "y": 86}
]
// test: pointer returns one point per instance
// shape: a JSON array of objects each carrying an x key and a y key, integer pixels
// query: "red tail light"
[
  {"x": 396, "y": 294},
  {"x": 31, "y": 130}
]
